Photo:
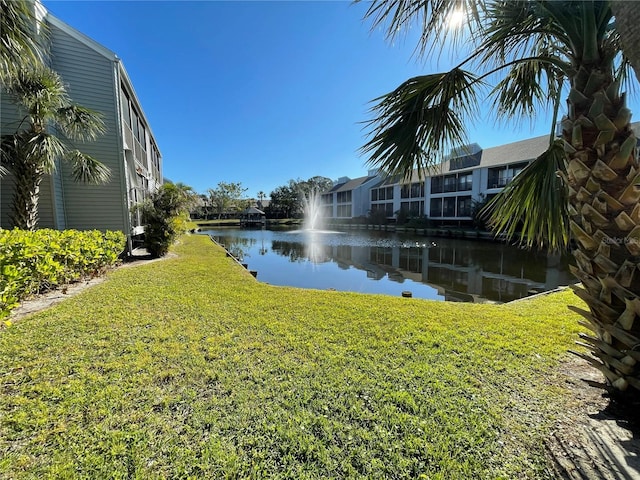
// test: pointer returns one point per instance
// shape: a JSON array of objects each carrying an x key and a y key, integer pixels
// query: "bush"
[
  {"x": 34, "y": 262},
  {"x": 165, "y": 216}
]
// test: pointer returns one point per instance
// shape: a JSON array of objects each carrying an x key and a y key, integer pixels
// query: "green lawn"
[{"x": 189, "y": 368}]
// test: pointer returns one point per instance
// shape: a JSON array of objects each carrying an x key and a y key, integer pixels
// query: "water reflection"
[{"x": 380, "y": 262}]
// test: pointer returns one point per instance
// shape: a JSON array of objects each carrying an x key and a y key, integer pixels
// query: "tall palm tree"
[
  {"x": 18, "y": 45},
  {"x": 627, "y": 16},
  {"x": 585, "y": 186},
  {"x": 32, "y": 151}
]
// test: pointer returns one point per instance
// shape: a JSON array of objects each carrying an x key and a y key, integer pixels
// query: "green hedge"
[{"x": 33, "y": 262}]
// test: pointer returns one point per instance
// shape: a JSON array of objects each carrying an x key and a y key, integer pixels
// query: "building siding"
[{"x": 89, "y": 79}]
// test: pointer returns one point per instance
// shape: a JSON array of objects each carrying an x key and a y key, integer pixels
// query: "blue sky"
[{"x": 259, "y": 92}]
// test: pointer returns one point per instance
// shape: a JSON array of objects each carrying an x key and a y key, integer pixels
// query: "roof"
[
  {"x": 81, "y": 37},
  {"x": 352, "y": 184},
  {"x": 252, "y": 211}
]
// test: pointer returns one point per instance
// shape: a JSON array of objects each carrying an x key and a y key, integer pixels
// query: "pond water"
[{"x": 388, "y": 263}]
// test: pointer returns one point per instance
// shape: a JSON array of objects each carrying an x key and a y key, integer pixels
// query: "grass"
[{"x": 189, "y": 368}]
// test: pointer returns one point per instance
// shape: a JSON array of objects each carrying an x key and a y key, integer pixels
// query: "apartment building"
[
  {"x": 95, "y": 78},
  {"x": 447, "y": 192}
]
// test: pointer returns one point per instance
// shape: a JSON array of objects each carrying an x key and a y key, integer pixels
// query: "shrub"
[
  {"x": 33, "y": 262},
  {"x": 165, "y": 216}
]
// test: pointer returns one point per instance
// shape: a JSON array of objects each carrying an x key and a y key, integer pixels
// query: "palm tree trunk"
[
  {"x": 602, "y": 173},
  {"x": 27, "y": 176},
  {"x": 627, "y": 16}
]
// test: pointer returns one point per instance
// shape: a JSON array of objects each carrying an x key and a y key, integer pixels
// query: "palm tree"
[
  {"x": 32, "y": 151},
  {"x": 18, "y": 25},
  {"x": 261, "y": 197},
  {"x": 627, "y": 16},
  {"x": 585, "y": 186}
]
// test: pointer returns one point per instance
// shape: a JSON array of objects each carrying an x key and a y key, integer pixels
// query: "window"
[
  {"x": 143, "y": 136},
  {"x": 465, "y": 182},
  {"x": 436, "y": 207},
  {"x": 449, "y": 207},
  {"x": 126, "y": 112},
  {"x": 416, "y": 209},
  {"x": 374, "y": 195},
  {"x": 405, "y": 207},
  {"x": 381, "y": 194},
  {"x": 327, "y": 199},
  {"x": 516, "y": 169},
  {"x": 389, "y": 193},
  {"x": 405, "y": 191},
  {"x": 344, "y": 211},
  {"x": 450, "y": 183},
  {"x": 437, "y": 184},
  {"x": 134, "y": 123},
  {"x": 497, "y": 177},
  {"x": 417, "y": 190},
  {"x": 388, "y": 209},
  {"x": 344, "y": 197},
  {"x": 464, "y": 206}
]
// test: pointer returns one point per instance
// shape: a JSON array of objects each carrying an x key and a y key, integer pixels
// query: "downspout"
[{"x": 124, "y": 190}]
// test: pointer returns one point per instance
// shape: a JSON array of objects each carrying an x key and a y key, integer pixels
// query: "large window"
[
  {"x": 465, "y": 182},
  {"x": 388, "y": 209},
  {"x": 143, "y": 136},
  {"x": 126, "y": 108},
  {"x": 344, "y": 211},
  {"x": 405, "y": 191},
  {"x": 374, "y": 195},
  {"x": 389, "y": 193},
  {"x": 436, "y": 207},
  {"x": 464, "y": 206},
  {"x": 450, "y": 183},
  {"x": 417, "y": 190},
  {"x": 437, "y": 184},
  {"x": 449, "y": 207},
  {"x": 501, "y": 176},
  {"x": 344, "y": 197}
]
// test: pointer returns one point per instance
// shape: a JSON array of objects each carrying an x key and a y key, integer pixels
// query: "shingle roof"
[{"x": 351, "y": 184}]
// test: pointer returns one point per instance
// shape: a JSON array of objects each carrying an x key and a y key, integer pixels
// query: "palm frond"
[
  {"x": 419, "y": 120},
  {"x": 531, "y": 85},
  {"x": 29, "y": 147},
  {"x": 19, "y": 31},
  {"x": 518, "y": 28},
  {"x": 87, "y": 169},
  {"x": 39, "y": 91},
  {"x": 43, "y": 148},
  {"x": 533, "y": 208},
  {"x": 80, "y": 123},
  {"x": 430, "y": 16}
]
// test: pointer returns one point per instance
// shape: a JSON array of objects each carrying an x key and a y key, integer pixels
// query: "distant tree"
[
  {"x": 317, "y": 184},
  {"x": 284, "y": 203},
  {"x": 227, "y": 198},
  {"x": 261, "y": 197},
  {"x": 31, "y": 152}
]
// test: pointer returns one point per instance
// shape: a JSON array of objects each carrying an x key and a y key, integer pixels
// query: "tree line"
[{"x": 229, "y": 199}]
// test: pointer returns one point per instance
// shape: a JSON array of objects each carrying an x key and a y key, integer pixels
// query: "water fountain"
[{"x": 313, "y": 218}]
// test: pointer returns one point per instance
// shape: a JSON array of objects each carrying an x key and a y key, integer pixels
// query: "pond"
[{"x": 389, "y": 263}]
